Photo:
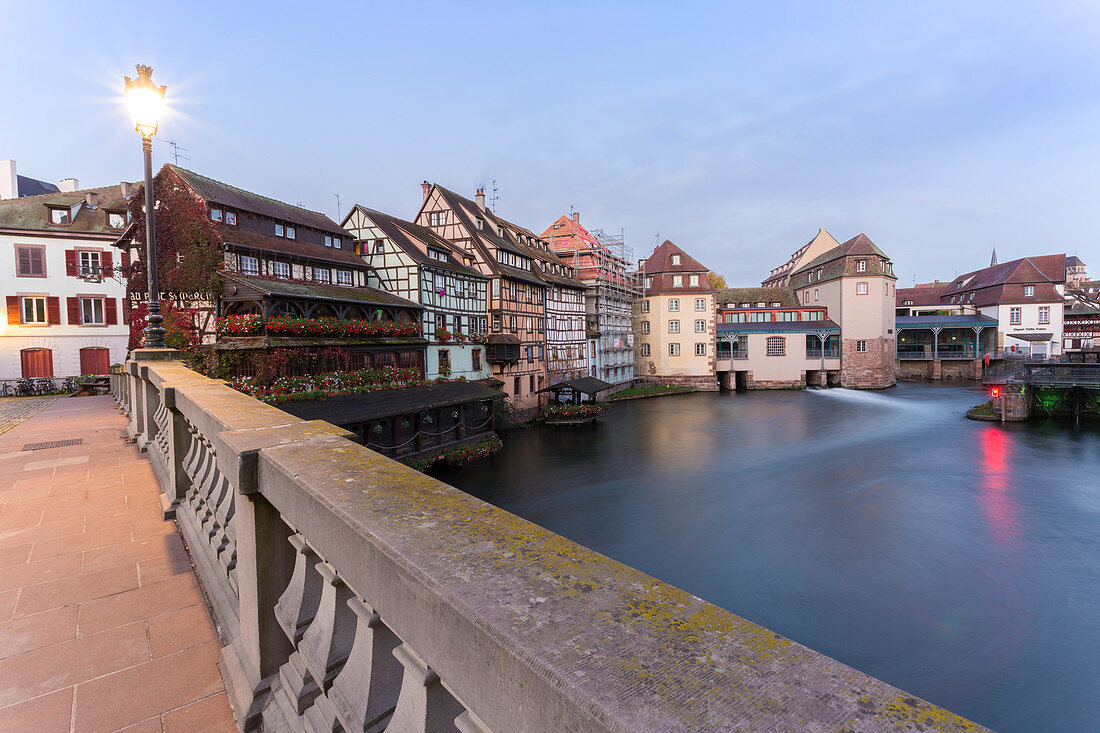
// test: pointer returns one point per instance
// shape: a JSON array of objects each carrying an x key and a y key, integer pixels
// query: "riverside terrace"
[{"x": 355, "y": 594}]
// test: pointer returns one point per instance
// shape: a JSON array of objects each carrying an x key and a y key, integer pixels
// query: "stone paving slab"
[
  {"x": 14, "y": 410},
  {"x": 102, "y": 624}
]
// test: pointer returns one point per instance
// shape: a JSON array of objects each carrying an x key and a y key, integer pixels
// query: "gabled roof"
[
  {"x": 1045, "y": 269},
  {"x": 921, "y": 294},
  {"x": 786, "y": 297},
  {"x": 661, "y": 261},
  {"x": 254, "y": 240},
  {"x": 320, "y": 291},
  {"x": 860, "y": 244},
  {"x": 1074, "y": 261},
  {"x": 403, "y": 233},
  {"x": 820, "y": 240},
  {"x": 237, "y": 198},
  {"x": 570, "y": 235},
  {"x": 31, "y": 213}
]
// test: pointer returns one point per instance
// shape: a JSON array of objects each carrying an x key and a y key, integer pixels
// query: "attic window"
[
  {"x": 675, "y": 259},
  {"x": 861, "y": 265},
  {"x": 436, "y": 254},
  {"x": 328, "y": 240},
  {"x": 290, "y": 235},
  {"x": 743, "y": 305},
  {"x": 438, "y": 218},
  {"x": 1029, "y": 290},
  {"x": 231, "y": 218},
  {"x": 774, "y": 305},
  {"x": 215, "y": 214},
  {"x": 467, "y": 261},
  {"x": 60, "y": 217},
  {"x": 907, "y": 302},
  {"x": 279, "y": 230},
  {"x": 116, "y": 219},
  {"x": 480, "y": 224}
]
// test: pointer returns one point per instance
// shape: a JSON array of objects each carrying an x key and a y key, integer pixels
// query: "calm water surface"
[{"x": 957, "y": 560}]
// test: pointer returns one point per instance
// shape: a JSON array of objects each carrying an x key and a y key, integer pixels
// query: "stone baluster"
[
  {"x": 424, "y": 705},
  {"x": 294, "y": 612},
  {"x": 365, "y": 692},
  {"x": 470, "y": 723},
  {"x": 326, "y": 644}
]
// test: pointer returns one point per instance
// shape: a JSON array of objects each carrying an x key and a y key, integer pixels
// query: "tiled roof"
[
  {"x": 1030, "y": 270},
  {"x": 254, "y": 240},
  {"x": 238, "y": 198},
  {"x": 778, "y": 327},
  {"x": 860, "y": 244},
  {"x": 735, "y": 296},
  {"x": 661, "y": 261},
  {"x": 923, "y": 294},
  {"x": 31, "y": 213},
  {"x": 821, "y": 239},
  {"x": 319, "y": 291},
  {"x": 1074, "y": 261},
  {"x": 402, "y": 233}
]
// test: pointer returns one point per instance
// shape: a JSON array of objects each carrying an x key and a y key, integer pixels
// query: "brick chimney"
[
  {"x": 427, "y": 189},
  {"x": 9, "y": 181},
  {"x": 125, "y": 188},
  {"x": 68, "y": 185},
  {"x": 479, "y": 197},
  {"x": 576, "y": 217}
]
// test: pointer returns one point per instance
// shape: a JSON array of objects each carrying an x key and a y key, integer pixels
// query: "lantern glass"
[{"x": 145, "y": 100}]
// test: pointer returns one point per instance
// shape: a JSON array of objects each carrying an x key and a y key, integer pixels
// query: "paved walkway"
[
  {"x": 14, "y": 410},
  {"x": 102, "y": 625}
]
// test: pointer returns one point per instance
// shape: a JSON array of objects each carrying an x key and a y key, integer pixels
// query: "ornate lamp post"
[{"x": 146, "y": 102}]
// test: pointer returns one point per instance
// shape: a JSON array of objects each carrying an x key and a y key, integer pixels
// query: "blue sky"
[{"x": 734, "y": 129}]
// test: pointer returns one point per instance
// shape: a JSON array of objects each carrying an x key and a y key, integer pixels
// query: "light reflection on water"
[{"x": 958, "y": 560}]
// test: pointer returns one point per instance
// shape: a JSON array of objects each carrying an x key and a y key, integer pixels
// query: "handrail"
[{"x": 355, "y": 592}]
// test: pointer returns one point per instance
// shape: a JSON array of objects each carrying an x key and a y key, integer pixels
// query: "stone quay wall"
[{"x": 357, "y": 594}]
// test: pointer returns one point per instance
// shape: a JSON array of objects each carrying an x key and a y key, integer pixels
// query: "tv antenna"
[
  {"x": 337, "y": 206},
  {"x": 495, "y": 197},
  {"x": 177, "y": 151}
]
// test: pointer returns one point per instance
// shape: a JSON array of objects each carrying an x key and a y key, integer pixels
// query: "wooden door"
[
  {"x": 37, "y": 362},
  {"x": 94, "y": 360}
]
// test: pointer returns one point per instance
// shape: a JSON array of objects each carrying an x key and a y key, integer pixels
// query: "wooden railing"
[{"x": 355, "y": 594}]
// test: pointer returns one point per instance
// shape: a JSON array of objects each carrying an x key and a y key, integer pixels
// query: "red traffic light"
[{"x": 994, "y": 391}]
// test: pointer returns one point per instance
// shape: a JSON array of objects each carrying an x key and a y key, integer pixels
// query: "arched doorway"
[
  {"x": 36, "y": 362},
  {"x": 95, "y": 360}
]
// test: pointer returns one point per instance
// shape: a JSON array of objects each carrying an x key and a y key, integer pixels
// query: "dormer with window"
[
  {"x": 675, "y": 260},
  {"x": 861, "y": 265},
  {"x": 116, "y": 219},
  {"x": 216, "y": 214},
  {"x": 59, "y": 216},
  {"x": 231, "y": 218},
  {"x": 1029, "y": 290},
  {"x": 480, "y": 223},
  {"x": 437, "y": 254}
]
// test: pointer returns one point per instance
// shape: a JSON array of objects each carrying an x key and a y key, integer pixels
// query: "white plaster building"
[{"x": 63, "y": 283}]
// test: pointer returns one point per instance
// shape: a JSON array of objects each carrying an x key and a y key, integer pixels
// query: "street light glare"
[{"x": 145, "y": 100}]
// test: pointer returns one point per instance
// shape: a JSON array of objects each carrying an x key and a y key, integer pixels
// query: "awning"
[
  {"x": 350, "y": 409},
  {"x": 504, "y": 338},
  {"x": 584, "y": 385},
  {"x": 1031, "y": 336}
]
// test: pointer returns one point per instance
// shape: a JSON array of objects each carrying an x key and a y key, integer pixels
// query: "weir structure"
[
  {"x": 1025, "y": 388},
  {"x": 355, "y": 594}
]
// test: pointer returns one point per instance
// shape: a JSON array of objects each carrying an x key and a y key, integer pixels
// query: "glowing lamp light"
[
  {"x": 994, "y": 391},
  {"x": 145, "y": 100}
]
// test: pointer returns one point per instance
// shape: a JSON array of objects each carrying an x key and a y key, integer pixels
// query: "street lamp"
[{"x": 146, "y": 102}]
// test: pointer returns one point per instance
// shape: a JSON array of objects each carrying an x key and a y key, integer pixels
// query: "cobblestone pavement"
[{"x": 14, "y": 410}]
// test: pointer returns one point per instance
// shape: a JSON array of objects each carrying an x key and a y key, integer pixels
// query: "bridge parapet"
[{"x": 357, "y": 594}]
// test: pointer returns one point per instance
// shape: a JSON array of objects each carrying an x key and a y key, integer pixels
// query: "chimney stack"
[
  {"x": 427, "y": 189},
  {"x": 576, "y": 217},
  {"x": 480, "y": 198},
  {"x": 9, "y": 181},
  {"x": 125, "y": 189},
  {"x": 91, "y": 199},
  {"x": 68, "y": 185}
]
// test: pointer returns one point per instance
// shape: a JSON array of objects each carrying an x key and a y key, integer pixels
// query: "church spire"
[{"x": 993, "y": 259}]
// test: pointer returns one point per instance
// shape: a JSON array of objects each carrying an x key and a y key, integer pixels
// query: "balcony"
[{"x": 829, "y": 353}]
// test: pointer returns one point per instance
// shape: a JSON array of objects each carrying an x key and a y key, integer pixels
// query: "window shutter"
[
  {"x": 126, "y": 311},
  {"x": 125, "y": 259},
  {"x": 111, "y": 309},
  {"x": 13, "y": 310},
  {"x": 70, "y": 262},
  {"x": 106, "y": 263},
  {"x": 73, "y": 306},
  {"x": 53, "y": 310}
]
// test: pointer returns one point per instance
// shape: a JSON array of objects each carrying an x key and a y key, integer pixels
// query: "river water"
[{"x": 955, "y": 559}]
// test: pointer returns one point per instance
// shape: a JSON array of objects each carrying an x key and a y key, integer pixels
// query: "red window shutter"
[
  {"x": 70, "y": 262},
  {"x": 53, "y": 310},
  {"x": 107, "y": 264},
  {"x": 111, "y": 309},
  {"x": 125, "y": 259},
  {"x": 73, "y": 306},
  {"x": 13, "y": 310},
  {"x": 126, "y": 310}
]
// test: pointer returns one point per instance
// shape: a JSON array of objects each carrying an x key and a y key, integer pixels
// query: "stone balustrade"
[{"x": 355, "y": 594}]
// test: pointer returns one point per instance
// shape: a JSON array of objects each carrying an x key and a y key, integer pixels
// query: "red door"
[
  {"x": 37, "y": 362},
  {"x": 94, "y": 360}
]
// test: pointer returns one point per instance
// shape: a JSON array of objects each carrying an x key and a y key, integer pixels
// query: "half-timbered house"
[
  {"x": 517, "y": 294},
  {"x": 565, "y": 308},
  {"x": 417, "y": 264}
]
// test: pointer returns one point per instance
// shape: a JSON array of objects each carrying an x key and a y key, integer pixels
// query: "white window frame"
[
  {"x": 215, "y": 214},
  {"x": 43, "y": 312},
  {"x": 700, "y": 326},
  {"x": 861, "y": 265},
  {"x": 700, "y": 349},
  {"x": 88, "y": 307},
  {"x": 122, "y": 217},
  {"x": 1044, "y": 314},
  {"x": 675, "y": 259},
  {"x": 677, "y": 281},
  {"x": 674, "y": 349},
  {"x": 693, "y": 281},
  {"x": 344, "y": 277},
  {"x": 1015, "y": 316},
  {"x": 250, "y": 265},
  {"x": 645, "y": 349},
  {"x": 673, "y": 305},
  {"x": 645, "y": 327},
  {"x": 645, "y": 306},
  {"x": 322, "y": 275},
  {"x": 93, "y": 265},
  {"x": 674, "y": 326},
  {"x": 1029, "y": 290},
  {"x": 280, "y": 230},
  {"x": 700, "y": 304},
  {"x": 231, "y": 218},
  {"x": 861, "y": 346},
  {"x": 280, "y": 269},
  {"x": 290, "y": 232},
  {"x": 861, "y": 288}
]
